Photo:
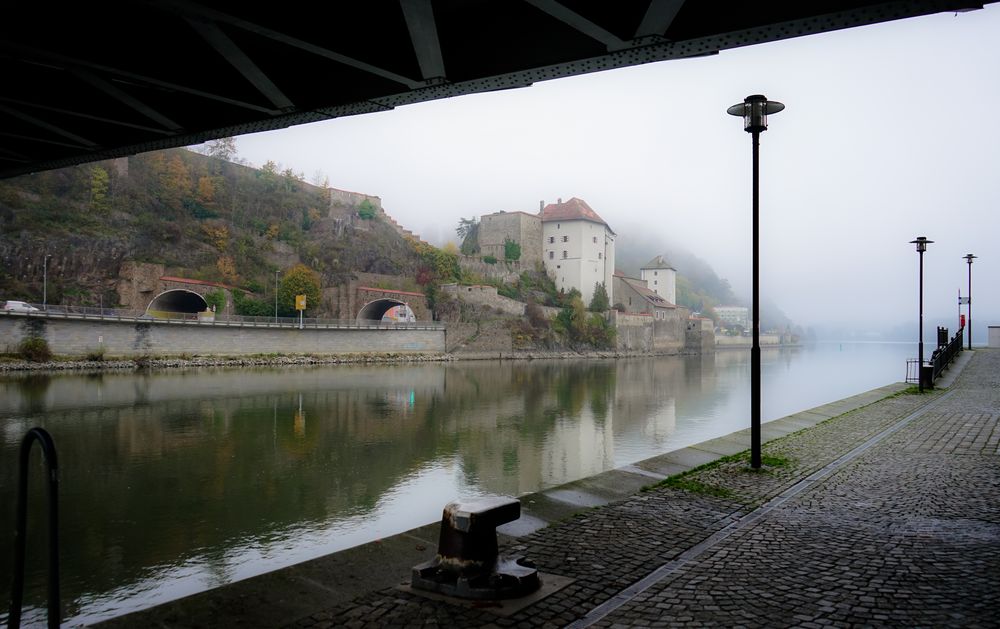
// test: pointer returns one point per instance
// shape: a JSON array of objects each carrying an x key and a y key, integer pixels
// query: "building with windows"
[
  {"x": 732, "y": 316},
  {"x": 661, "y": 278},
  {"x": 578, "y": 247},
  {"x": 638, "y": 298}
]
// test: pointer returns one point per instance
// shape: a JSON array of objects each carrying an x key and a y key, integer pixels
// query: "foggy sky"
[{"x": 891, "y": 131}]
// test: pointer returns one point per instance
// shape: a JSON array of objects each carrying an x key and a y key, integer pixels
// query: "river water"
[{"x": 173, "y": 482}]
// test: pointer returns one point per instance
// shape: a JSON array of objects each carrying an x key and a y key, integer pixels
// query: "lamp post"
[
  {"x": 754, "y": 110},
  {"x": 969, "y": 258},
  {"x": 45, "y": 281},
  {"x": 921, "y": 244},
  {"x": 276, "y": 295}
]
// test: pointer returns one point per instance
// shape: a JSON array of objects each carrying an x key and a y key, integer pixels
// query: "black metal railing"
[
  {"x": 20, "y": 532},
  {"x": 944, "y": 354},
  {"x": 219, "y": 319}
]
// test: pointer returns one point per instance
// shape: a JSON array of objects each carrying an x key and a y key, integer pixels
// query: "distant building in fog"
[{"x": 733, "y": 316}]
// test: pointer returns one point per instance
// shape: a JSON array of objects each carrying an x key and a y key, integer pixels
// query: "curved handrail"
[{"x": 20, "y": 534}]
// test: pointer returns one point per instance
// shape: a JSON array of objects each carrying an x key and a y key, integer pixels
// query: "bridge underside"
[{"x": 213, "y": 69}]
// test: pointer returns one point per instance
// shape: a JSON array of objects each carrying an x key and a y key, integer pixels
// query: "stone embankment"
[{"x": 61, "y": 364}]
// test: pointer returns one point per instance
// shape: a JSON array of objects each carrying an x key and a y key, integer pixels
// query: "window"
[
  {"x": 654, "y": 282},
  {"x": 599, "y": 255},
  {"x": 552, "y": 255},
  {"x": 654, "y": 272},
  {"x": 595, "y": 239},
  {"x": 565, "y": 238},
  {"x": 552, "y": 239},
  {"x": 565, "y": 255}
]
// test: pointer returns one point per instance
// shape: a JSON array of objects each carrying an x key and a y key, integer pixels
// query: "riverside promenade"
[{"x": 887, "y": 514}]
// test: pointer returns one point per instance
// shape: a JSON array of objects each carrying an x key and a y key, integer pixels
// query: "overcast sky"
[{"x": 891, "y": 131}]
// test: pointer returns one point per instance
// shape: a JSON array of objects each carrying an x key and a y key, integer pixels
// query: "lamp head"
[
  {"x": 754, "y": 109},
  {"x": 969, "y": 257},
  {"x": 921, "y": 242}
]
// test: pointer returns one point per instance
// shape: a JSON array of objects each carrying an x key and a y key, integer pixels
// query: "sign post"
[{"x": 300, "y": 305}]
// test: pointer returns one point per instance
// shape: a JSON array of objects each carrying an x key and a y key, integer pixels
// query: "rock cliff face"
[{"x": 195, "y": 216}]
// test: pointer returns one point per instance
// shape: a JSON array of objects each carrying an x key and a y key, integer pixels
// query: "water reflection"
[{"x": 173, "y": 482}]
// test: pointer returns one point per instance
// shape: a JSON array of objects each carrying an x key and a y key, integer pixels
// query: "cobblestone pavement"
[{"x": 906, "y": 534}]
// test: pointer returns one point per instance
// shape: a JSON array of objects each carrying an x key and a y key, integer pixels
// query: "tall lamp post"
[
  {"x": 276, "y": 295},
  {"x": 921, "y": 244},
  {"x": 969, "y": 258},
  {"x": 45, "y": 281},
  {"x": 754, "y": 110}
]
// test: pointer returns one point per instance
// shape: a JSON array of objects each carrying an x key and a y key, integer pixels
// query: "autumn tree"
[
  {"x": 100, "y": 183},
  {"x": 176, "y": 181},
  {"x": 206, "y": 191},
  {"x": 298, "y": 280}
]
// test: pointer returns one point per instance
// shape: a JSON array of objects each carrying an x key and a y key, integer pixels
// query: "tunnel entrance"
[
  {"x": 386, "y": 310},
  {"x": 177, "y": 300}
]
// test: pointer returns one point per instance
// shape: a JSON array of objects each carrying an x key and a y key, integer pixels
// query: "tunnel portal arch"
[
  {"x": 177, "y": 300},
  {"x": 375, "y": 310}
]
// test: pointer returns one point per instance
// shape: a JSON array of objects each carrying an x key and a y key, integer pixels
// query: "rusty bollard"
[{"x": 468, "y": 564}]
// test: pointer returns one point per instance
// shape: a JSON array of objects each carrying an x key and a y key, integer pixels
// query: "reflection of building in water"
[{"x": 646, "y": 394}]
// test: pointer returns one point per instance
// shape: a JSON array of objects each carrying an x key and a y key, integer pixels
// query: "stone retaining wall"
[
  {"x": 79, "y": 337},
  {"x": 485, "y": 296}
]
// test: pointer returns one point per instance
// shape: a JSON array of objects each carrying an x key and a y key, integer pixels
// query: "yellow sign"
[{"x": 300, "y": 302}]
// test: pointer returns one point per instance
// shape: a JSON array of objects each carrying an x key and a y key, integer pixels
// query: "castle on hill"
[
  {"x": 575, "y": 245},
  {"x": 577, "y": 248}
]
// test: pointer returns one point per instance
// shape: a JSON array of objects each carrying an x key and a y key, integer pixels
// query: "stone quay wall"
[
  {"x": 71, "y": 336},
  {"x": 485, "y": 296},
  {"x": 505, "y": 271},
  {"x": 644, "y": 333}
]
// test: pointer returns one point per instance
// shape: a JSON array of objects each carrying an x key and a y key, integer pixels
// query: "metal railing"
[
  {"x": 944, "y": 354},
  {"x": 53, "y": 311},
  {"x": 20, "y": 532},
  {"x": 939, "y": 360}
]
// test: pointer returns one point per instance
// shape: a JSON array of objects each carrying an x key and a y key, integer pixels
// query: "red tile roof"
[
  {"x": 187, "y": 280},
  {"x": 573, "y": 209},
  {"x": 649, "y": 295}
]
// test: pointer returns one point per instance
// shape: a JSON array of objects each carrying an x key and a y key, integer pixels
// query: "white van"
[{"x": 19, "y": 306}]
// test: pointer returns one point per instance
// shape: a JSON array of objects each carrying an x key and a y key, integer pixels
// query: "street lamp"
[
  {"x": 45, "y": 281},
  {"x": 754, "y": 110},
  {"x": 969, "y": 258},
  {"x": 276, "y": 295},
  {"x": 921, "y": 244}
]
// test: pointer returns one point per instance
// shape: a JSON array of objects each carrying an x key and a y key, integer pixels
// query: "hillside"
[{"x": 202, "y": 217}]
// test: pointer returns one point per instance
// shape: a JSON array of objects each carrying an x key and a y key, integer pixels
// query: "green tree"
[
  {"x": 599, "y": 302},
  {"x": 216, "y": 298},
  {"x": 247, "y": 306},
  {"x": 100, "y": 183},
  {"x": 468, "y": 232},
  {"x": 298, "y": 280},
  {"x": 511, "y": 250},
  {"x": 223, "y": 148},
  {"x": 366, "y": 210}
]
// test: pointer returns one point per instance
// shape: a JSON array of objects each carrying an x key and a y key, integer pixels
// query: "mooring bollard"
[{"x": 468, "y": 563}]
